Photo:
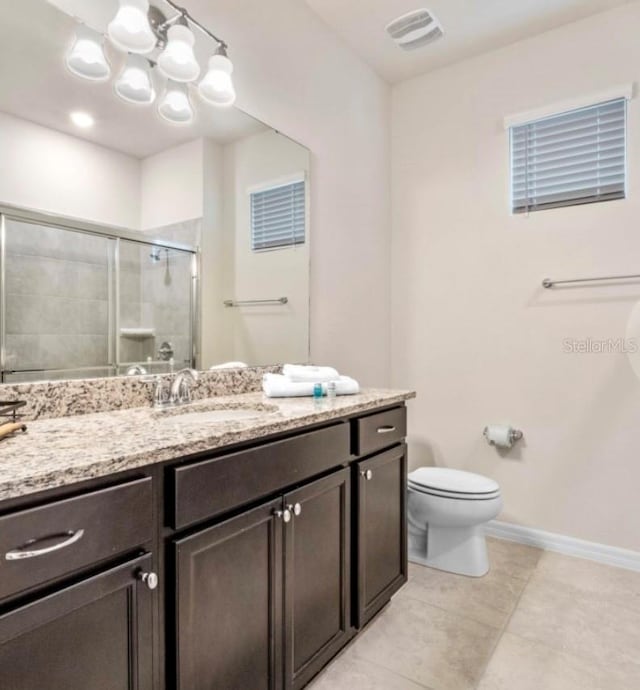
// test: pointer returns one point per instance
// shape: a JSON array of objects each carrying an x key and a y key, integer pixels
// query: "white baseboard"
[{"x": 610, "y": 555}]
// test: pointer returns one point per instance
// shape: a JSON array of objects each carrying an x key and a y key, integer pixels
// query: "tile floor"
[{"x": 537, "y": 621}]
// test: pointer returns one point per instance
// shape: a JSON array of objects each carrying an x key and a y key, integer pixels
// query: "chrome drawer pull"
[
  {"x": 386, "y": 429},
  {"x": 367, "y": 474},
  {"x": 18, "y": 554}
]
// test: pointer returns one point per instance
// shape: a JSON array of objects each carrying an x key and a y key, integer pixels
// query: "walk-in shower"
[{"x": 80, "y": 300}]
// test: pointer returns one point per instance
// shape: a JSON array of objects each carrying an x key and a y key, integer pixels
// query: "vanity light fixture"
[
  {"x": 134, "y": 84},
  {"x": 81, "y": 119},
  {"x": 217, "y": 86},
  {"x": 140, "y": 29},
  {"x": 177, "y": 61},
  {"x": 86, "y": 57},
  {"x": 175, "y": 105},
  {"x": 130, "y": 30}
]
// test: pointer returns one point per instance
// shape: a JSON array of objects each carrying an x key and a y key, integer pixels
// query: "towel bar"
[
  {"x": 255, "y": 302},
  {"x": 548, "y": 283}
]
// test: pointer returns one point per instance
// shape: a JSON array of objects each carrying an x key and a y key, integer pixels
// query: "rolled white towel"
[
  {"x": 280, "y": 386},
  {"x": 302, "y": 373}
]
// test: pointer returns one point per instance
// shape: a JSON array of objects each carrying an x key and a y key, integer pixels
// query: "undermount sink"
[{"x": 214, "y": 413}]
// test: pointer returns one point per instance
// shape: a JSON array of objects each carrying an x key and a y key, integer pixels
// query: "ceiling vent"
[{"x": 415, "y": 29}]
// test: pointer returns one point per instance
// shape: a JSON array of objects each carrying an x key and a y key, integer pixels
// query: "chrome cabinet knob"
[
  {"x": 367, "y": 474},
  {"x": 285, "y": 514},
  {"x": 149, "y": 579},
  {"x": 297, "y": 509}
]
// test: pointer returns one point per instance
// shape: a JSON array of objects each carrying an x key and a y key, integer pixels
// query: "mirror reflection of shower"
[{"x": 156, "y": 257}]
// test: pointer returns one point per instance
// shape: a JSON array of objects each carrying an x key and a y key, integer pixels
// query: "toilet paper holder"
[{"x": 513, "y": 436}]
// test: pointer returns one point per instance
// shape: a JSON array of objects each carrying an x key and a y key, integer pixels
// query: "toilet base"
[{"x": 460, "y": 550}]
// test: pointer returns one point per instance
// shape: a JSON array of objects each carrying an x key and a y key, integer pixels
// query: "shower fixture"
[
  {"x": 155, "y": 256},
  {"x": 155, "y": 44}
]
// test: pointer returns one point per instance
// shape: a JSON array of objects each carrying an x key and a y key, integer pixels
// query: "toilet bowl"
[{"x": 447, "y": 511}]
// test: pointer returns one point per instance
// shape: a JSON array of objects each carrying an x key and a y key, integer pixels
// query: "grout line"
[
  {"x": 466, "y": 616},
  {"x": 506, "y": 623}
]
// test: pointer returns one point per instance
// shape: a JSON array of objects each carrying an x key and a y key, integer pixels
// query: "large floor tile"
[
  {"x": 489, "y": 599},
  {"x": 433, "y": 647},
  {"x": 520, "y": 664},
  {"x": 616, "y": 585},
  {"x": 568, "y": 618},
  {"x": 351, "y": 673},
  {"x": 512, "y": 559}
]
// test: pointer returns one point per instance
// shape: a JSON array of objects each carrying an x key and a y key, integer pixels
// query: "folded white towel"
[
  {"x": 300, "y": 373},
  {"x": 229, "y": 365},
  {"x": 280, "y": 386}
]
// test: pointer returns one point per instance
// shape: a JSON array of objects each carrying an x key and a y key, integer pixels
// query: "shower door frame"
[{"x": 110, "y": 232}]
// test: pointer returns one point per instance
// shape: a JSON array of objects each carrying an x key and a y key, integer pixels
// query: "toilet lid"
[{"x": 455, "y": 481}]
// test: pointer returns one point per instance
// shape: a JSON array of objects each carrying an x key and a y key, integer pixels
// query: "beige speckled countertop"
[{"x": 57, "y": 452}]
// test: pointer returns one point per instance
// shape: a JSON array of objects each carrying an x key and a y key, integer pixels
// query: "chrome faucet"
[{"x": 181, "y": 386}]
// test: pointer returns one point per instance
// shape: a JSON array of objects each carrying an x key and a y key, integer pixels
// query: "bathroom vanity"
[{"x": 145, "y": 551}]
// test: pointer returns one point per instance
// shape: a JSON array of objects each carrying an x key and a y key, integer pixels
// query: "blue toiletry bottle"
[{"x": 317, "y": 391}]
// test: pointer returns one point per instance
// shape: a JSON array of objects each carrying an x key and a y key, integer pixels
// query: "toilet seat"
[
  {"x": 453, "y": 494},
  {"x": 449, "y": 483}
]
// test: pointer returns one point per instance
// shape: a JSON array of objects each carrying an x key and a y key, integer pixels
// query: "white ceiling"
[
  {"x": 471, "y": 27},
  {"x": 35, "y": 84}
]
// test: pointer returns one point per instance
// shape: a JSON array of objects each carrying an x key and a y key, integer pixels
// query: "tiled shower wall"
[
  {"x": 57, "y": 302},
  {"x": 57, "y": 297}
]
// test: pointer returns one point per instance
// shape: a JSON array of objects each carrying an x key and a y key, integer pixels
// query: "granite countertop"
[{"x": 58, "y": 452}]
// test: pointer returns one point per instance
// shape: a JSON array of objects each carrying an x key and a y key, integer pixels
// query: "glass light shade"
[
  {"x": 130, "y": 29},
  {"x": 174, "y": 105},
  {"x": 217, "y": 86},
  {"x": 86, "y": 58},
  {"x": 177, "y": 61},
  {"x": 134, "y": 84}
]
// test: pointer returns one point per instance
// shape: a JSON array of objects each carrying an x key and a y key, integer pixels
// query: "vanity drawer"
[
  {"x": 42, "y": 544},
  {"x": 212, "y": 487},
  {"x": 381, "y": 430}
]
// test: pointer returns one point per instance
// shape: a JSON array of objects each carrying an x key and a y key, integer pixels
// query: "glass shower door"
[
  {"x": 57, "y": 303},
  {"x": 155, "y": 297}
]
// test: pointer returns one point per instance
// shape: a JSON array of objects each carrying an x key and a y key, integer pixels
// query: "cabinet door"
[
  {"x": 317, "y": 576},
  {"x": 381, "y": 530},
  {"x": 95, "y": 635},
  {"x": 229, "y": 604}
]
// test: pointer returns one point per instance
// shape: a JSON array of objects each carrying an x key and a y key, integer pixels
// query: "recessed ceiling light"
[{"x": 81, "y": 119}]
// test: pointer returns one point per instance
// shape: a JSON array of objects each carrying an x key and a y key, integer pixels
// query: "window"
[
  {"x": 278, "y": 216},
  {"x": 576, "y": 157}
]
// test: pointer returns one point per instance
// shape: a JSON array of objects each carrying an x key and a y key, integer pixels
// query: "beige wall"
[
  {"x": 46, "y": 170},
  {"x": 213, "y": 332},
  {"x": 261, "y": 335},
  {"x": 297, "y": 76},
  {"x": 172, "y": 188},
  {"x": 472, "y": 329}
]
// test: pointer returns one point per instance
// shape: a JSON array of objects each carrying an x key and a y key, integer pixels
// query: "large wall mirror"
[{"x": 131, "y": 244}]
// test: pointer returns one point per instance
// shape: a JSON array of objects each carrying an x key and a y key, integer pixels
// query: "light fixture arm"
[{"x": 184, "y": 13}]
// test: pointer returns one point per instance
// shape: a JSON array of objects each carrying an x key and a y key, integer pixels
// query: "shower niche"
[{"x": 79, "y": 302}]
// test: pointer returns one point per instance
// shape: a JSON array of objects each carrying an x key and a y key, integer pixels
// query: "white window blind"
[
  {"x": 278, "y": 216},
  {"x": 576, "y": 157}
]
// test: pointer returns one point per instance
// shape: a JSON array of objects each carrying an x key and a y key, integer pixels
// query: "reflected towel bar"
[
  {"x": 255, "y": 302},
  {"x": 548, "y": 283}
]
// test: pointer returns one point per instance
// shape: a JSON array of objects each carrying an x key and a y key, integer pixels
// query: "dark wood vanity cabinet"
[
  {"x": 317, "y": 576},
  {"x": 262, "y": 599},
  {"x": 228, "y": 599},
  {"x": 270, "y": 558},
  {"x": 381, "y": 530},
  {"x": 92, "y": 635}
]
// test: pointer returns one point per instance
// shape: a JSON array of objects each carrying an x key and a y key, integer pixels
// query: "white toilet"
[{"x": 447, "y": 513}]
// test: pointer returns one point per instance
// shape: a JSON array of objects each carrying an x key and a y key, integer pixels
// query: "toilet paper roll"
[{"x": 500, "y": 435}]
